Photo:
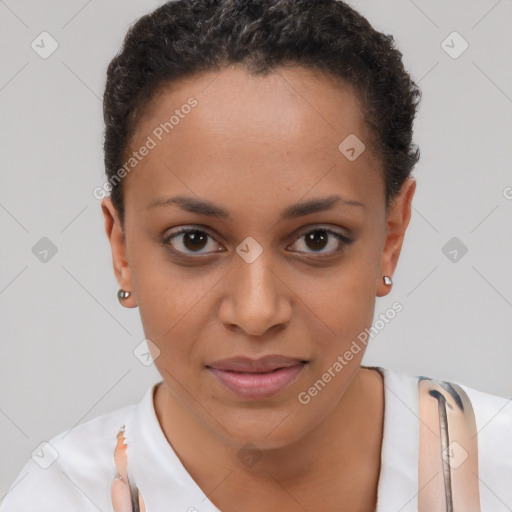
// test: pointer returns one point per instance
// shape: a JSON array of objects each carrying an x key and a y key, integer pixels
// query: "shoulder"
[
  {"x": 493, "y": 413},
  {"x": 74, "y": 468},
  {"x": 490, "y": 409},
  {"x": 493, "y": 418}
]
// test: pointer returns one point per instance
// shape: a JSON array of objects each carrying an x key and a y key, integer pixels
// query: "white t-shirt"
[{"x": 79, "y": 478}]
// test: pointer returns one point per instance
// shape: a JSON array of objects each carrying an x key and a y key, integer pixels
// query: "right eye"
[{"x": 189, "y": 241}]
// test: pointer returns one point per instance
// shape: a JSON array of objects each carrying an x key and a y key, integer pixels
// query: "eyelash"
[{"x": 344, "y": 241}]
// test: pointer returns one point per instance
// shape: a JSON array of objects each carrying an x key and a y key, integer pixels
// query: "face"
[{"x": 277, "y": 246}]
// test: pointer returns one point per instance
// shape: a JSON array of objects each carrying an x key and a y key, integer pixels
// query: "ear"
[
  {"x": 117, "y": 241},
  {"x": 397, "y": 220}
]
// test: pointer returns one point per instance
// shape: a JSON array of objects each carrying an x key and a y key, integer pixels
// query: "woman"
[{"x": 259, "y": 158}]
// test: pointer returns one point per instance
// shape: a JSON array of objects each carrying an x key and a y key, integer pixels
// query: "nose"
[{"x": 256, "y": 299}]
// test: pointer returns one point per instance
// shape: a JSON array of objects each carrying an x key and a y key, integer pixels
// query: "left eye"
[
  {"x": 318, "y": 239},
  {"x": 192, "y": 241}
]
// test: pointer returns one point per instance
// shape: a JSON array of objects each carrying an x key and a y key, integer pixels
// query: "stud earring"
[
  {"x": 122, "y": 295},
  {"x": 387, "y": 280}
]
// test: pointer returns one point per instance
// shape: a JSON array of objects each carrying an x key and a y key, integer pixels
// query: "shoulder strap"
[
  {"x": 448, "y": 459},
  {"x": 124, "y": 493}
]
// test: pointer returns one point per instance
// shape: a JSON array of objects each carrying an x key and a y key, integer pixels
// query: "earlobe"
[
  {"x": 115, "y": 235},
  {"x": 384, "y": 285},
  {"x": 125, "y": 298},
  {"x": 397, "y": 220}
]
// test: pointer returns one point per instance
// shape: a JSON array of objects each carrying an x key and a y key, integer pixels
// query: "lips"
[
  {"x": 255, "y": 379},
  {"x": 262, "y": 365}
]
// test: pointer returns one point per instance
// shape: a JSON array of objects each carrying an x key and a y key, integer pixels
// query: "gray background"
[{"x": 67, "y": 348}]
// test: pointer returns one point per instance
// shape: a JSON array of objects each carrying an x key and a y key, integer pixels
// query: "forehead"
[{"x": 280, "y": 132}]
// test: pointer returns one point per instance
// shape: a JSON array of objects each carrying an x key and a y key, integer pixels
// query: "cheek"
[
  {"x": 338, "y": 354},
  {"x": 168, "y": 295},
  {"x": 171, "y": 305},
  {"x": 341, "y": 304}
]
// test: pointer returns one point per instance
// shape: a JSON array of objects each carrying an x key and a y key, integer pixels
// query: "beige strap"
[
  {"x": 448, "y": 462},
  {"x": 124, "y": 494}
]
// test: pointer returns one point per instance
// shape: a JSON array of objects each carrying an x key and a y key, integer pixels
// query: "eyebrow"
[{"x": 204, "y": 207}]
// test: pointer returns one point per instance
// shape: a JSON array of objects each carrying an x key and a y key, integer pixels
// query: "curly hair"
[{"x": 185, "y": 37}]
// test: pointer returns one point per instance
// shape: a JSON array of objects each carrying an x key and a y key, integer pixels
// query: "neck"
[{"x": 344, "y": 449}]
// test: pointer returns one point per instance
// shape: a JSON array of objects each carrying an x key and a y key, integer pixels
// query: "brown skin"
[{"x": 255, "y": 145}]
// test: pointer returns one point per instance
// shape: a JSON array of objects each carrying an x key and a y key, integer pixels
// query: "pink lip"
[
  {"x": 262, "y": 364},
  {"x": 256, "y": 378}
]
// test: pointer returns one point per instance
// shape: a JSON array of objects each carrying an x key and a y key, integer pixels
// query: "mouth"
[{"x": 255, "y": 379}]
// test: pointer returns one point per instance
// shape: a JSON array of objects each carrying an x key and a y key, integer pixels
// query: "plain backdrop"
[{"x": 67, "y": 344}]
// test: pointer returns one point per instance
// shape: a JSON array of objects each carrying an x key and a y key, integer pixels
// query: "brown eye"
[
  {"x": 195, "y": 240},
  {"x": 190, "y": 241},
  {"x": 318, "y": 239}
]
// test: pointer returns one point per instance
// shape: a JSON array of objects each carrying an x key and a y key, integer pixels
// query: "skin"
[{"x": 254, "y": 146}]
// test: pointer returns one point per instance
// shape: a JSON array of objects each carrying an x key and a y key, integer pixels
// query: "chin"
[{"x": 263, "y": 428}]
